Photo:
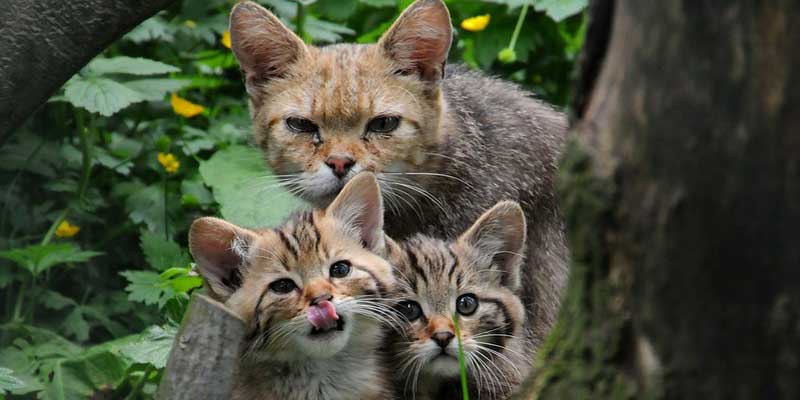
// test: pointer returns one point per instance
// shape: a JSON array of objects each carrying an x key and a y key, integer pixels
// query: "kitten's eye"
[
  {"x": 410, "y": 309},
  {"x": 466, "y": 304},
  {"x": 340, "y": 269},
  {"x": 383, "y": 124},
  {"x": 282, "y": 286},
  {"x": 301, "y": 125}
]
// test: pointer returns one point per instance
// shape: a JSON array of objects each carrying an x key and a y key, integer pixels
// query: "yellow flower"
[
  {"x": 66, "y": 230},
  {"x": 477, "y": 23},
  {"x": 190, "y": 24},
  {"x": 169, "y": 162},
  {"x": 226, "y": 39},
  {"x": 185, "y": 108}
]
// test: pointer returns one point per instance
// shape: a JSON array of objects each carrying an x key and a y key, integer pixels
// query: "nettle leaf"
[
  {"x": 75, "y": 325},
  {"x": 38, "y": 258},
  {"x": 162, "y": 254},
  {"x": 9, "y": 382},
  {"x": 144, "y": 287},
  {"x": 100, "y": 95},
  {"x": 245, "y": 188},
  {"x": 153, "y": 346},
  {"x": 129, "y": 66},
  {"x": 326, "y": 32},
  {"x": 157, "y": 89},
  {"x": 379, "y": 3},
  {"x": 155, "y": 28},
  {"x": 146, "y": 205},
  {"x": 56, "y": 301},
  {"x": 559, "y": 10}
]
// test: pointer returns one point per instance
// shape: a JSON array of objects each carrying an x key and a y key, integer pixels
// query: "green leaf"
[
  {"x": 157, "y": 89},
  {"x": 560, "y": 9},
  {"x": 100, "y": 95},
  {"x": 379, "y": 3},
  {"x": 195, "y": 193},
  {"x": 245, "y": 188},
  {"x": 38, "y": 258},
  {"x": 56, "y": 301},
  {"x": 146, "y": 205},
  {"x": 155, "y": 28},
  {"x": 144, "y": 287},
  {"x": 162, "y": 254},
  {"x": 9, "y": 382},
  {"x": 76, "y": 326},
  {"x": 326, "y": 32},
  {"x": 153, "y": 346},
  {"x": 129, "y": 66}
]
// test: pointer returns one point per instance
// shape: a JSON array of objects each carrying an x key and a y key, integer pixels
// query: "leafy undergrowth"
[{"x": 100, "y": 186}]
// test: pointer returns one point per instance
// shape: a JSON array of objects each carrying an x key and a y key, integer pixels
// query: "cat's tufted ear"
[
  {"x": 418, "y": 42},
  {"x": 497, "y": 240},
  {"x": 264, "y": 47},
  {"x": 220, "y": 250},
  {"x": 359, "y": 209}
]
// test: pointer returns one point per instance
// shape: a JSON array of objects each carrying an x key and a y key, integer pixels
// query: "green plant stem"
[
  {"x": 18, "y": 304},
  {"x": 166, "y": 217},
  {"x": 461, "y": 365},
  {"x": 86, "y": 135},
  {"x": 518, "y": 28},
  {"x": 301, "y": 22},
  {"x": 52, "y": 230},
  {"x": 137, "y": 388}
]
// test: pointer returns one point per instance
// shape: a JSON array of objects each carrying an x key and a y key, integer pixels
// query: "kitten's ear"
[
  {"x": 359, "y": 208},
  {"x": 418, "y": 42},
  {"x": 220, "y": 250},
  {"x": 498, "y": 239},
  {"x": 264, "y": 47}
]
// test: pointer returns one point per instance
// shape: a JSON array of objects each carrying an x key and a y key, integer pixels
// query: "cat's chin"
[
  {"x": 321, "y": 345},
  {"x": 443, "y": 365}
]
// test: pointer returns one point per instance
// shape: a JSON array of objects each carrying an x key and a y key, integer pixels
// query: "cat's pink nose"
[{"x": 340, "y": 165}]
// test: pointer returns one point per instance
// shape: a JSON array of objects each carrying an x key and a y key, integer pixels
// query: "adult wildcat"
[
  {"x": 445, "y": 144},
  {"x": 310, "y": 292}
]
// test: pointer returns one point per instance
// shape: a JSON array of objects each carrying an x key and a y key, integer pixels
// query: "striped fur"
[
  {"x": 497, "y": 338},
  {"x": 465, "y": 140},
  {"x": 281, "y": 359}
]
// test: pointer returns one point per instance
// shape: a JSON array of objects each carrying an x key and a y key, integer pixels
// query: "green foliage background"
[{"x": 94, "y": 314}]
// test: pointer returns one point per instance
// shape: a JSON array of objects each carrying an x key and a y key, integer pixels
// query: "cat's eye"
[
  {"x": 410, "y": 310},
  {"x": 466, "y": 304},
  {"x": 340, "y": 269},
  {"x": 301, "y": 125},
  {"x": 282, "y": 286},
  {"x": 383, "y": 124}
]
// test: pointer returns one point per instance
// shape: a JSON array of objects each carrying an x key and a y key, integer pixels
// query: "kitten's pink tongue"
[{"x": 323, "y": 315}]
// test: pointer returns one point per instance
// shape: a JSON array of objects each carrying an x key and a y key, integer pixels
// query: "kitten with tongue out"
[{"x": 311, "y": 292}]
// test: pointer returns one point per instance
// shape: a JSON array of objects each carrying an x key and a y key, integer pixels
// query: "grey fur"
[{"x": 502, "y": 145}]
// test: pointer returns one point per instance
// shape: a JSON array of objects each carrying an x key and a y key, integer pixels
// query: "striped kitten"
[
  {"x": 477, "y": 279},
  {"x": 309, "y": 292}
]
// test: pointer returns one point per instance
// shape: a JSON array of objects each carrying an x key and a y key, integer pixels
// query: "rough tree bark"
[
  {"x": 681, "y": 190},
  {"x": 205, "y": 353},
  {"x": 44, "y": 42}
]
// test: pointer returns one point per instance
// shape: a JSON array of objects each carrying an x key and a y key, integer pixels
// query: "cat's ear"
[
  {"x": 221, "y": 250},
  {"x": 418, "y": 42},
  {"x": 264, "y": 47},
  {"x": 497, "y": 239},
  {"x": 359, "y": 209}
]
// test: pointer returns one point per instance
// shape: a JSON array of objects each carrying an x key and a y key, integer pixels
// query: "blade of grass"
[{"x": 461, "y": 365}]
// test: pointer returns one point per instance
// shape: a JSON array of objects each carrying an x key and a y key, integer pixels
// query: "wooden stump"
[{"x": 205, "y": 353}]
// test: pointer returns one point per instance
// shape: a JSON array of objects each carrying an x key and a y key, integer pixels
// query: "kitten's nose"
[
  {"x": 340, "y": 165},
  {"x": 319, "y": 298},
  {"x": 443, "y": 338}
]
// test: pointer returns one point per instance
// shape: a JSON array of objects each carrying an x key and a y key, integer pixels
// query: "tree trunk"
[
  {"x": 205, "y": 353},
  {"x": 681, "y": 190},
  {"x": 45, "y": 42}
]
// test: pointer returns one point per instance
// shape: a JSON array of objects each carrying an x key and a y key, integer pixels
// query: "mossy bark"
[{"x": 681, "y": 191}]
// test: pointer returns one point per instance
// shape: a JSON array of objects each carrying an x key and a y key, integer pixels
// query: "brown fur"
[
  {"x": 282, "y": 360},
  {"x": 465, "y": 141}
]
